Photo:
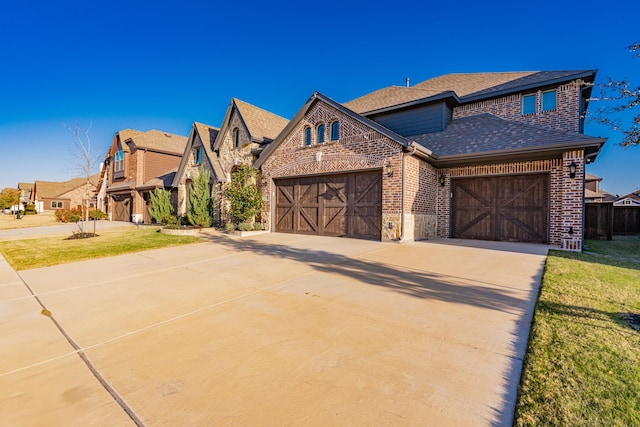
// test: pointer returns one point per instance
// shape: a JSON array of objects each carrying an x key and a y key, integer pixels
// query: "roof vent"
[{"x": 407, "y": 81}]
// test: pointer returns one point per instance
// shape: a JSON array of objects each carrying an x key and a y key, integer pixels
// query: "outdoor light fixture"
[
  {"x": 570, "y": 230},
  {"x": 572, "y": 170},
  {"x": 441, "y": 179},
  {"x": 389, "y": 170}
]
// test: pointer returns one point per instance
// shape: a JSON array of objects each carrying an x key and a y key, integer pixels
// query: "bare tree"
[
  {"x": 86, "y": 162},
  {"x": 618, "y": 98}
]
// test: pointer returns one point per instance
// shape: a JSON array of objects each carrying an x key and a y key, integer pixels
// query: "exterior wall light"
[
  {"x": 389, "y": 170},
  {"x": 572, "y": 169},
  {"x": 442, "y": 179}
]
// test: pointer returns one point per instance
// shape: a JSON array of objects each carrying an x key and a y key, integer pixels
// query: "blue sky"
[{"x": 163, "y": 65}]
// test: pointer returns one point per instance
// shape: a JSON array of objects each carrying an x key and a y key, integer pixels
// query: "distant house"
[
  {"x": 631, "y": 199},
  {"x": 50, "y": 196},
  {"x": 245, "y": 131},
  {"x": 25, "y": 191},
  {"x": 488, "y": 156},
  {"x": 136, "y": 164},
  {"x": 593, "y": 193}
]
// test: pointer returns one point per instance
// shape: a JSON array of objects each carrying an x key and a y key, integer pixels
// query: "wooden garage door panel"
[
  {"x": 509, "y": 208},
  {"x": 336, "y": 205}
]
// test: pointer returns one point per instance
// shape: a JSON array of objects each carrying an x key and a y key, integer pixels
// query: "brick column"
[{"x": 572, "y": 201}]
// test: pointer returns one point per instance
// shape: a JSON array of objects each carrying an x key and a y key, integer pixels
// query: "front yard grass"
[
  {"x": 39, "y": 220},
  {"x": 47, "y": 251},
  {"x": 582, "y": 366}
]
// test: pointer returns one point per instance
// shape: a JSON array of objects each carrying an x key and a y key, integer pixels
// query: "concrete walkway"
[{"x": 275, "y": 329}]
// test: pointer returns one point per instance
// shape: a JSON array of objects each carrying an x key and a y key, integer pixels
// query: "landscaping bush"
[
  {"x": 200, "y": 212},
  {"x": 161, "y": 209},
  {"x": 230, "y": 226},
  {"x": 30, "y": 209},
  {"x": 244, "y": 195},
  {"x": 68, "y": 215},
  {"x": 245, "y": 226},
  {"x": 97, "y": 214}
]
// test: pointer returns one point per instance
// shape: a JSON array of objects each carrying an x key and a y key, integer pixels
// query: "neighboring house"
[
  {"x": 245, "y": 131},
  {"x": 25, "y": 192},
  {"x": 593, "y": 193},
  {"x": 51, "y": 196},
  {"x": 631, "y": 199},
  {"x": 136, "y": 164},
  {"x": 490, "y": 156}
]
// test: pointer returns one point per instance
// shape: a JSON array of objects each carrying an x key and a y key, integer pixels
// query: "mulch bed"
[
  {"x": 632, "y": 319},
  {"x": 81, "y": 236}
]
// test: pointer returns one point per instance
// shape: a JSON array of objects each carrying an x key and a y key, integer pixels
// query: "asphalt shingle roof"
[
  {"x": 208, "y": 135},
  {"x": 463, "y": 85},
  {"x": 52, "y": 189},
  {"x": 263, "y": 125},
  {"x": 155, "y": 140},
  {"x": 488, "y": 133}
]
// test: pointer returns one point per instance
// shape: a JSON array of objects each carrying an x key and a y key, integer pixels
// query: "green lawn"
[
  {"x": 46, "y": 251},
  {"x": 582, "y": 366}
]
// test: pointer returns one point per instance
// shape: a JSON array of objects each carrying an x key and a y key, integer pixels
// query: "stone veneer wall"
[
  {"x": 358, "y": 148},
  {"x": 565, "y": 197},
  {"x": 565, "y": 117}
]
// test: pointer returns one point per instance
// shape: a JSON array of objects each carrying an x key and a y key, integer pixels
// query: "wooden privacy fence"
[
  {"x": 603, "y": 220},
  {"x": 626, "y": 220}
]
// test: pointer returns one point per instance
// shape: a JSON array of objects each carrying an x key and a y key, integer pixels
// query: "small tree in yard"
[
  {"x": 161, "y": 208},
  {"x": 244, "y": 195},
  {"x": 200, "y": 212},
  {"x": 9, "y": 197}
]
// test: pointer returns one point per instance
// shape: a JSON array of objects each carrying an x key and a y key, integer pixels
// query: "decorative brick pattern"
[
  {"x": 566, "y": 116},
  {"x": 359, "y": 148}
]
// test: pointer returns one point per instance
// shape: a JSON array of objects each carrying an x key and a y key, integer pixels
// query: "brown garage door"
[
  {"x": 121, "y": 208},
  {"x": 346, "y": 205},
  {"x": 506, "y": 208}
]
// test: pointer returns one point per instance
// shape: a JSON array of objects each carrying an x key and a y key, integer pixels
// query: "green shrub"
[
  {"x": 161, "y": 209},
  {"x": 245, "y": 226},
  {"x": 257, "y": 226},
  {"x": 230, "y": 226},
  {"x": 244, "y": 195},
  {"x": 200, "y": 212},
  {"x": 30, "y": 209},
  {"x": 97, "y": 214}
]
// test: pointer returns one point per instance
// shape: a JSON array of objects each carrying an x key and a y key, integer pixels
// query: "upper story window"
[
  {"x": 335, "y": 130},
  {"x": 236, "y": 137},
  {"x": 307, "y": 135},
  {"x": 118, "y": 161},
  {"x": 549, "y": 100},
  {"x": 197, "y": 155},
  {"x": 529, "y": 104},
  {"x": 320, "y": 133}
]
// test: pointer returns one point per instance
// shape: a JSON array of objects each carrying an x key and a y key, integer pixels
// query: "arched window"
[
  {"x": 335, "y": 130},
  {"x": 236, "y": 138},
  {"x": 320, "y": 133},
  {"x": 307, "y": 135}
]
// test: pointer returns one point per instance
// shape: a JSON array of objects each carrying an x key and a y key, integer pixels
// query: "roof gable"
[
  {"x": 53, "y": 189},
  {"x": 318, "y": 97},
  {"x": 207, "y": 135},
  {"x": 155, "y": 140},
  {"x": 262, "y": 125}
]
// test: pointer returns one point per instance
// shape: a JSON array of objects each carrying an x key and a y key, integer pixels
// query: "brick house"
[
  {"x": 245, "y": 131},
  {"x": 491, "y": 156},
  {"x": 136, "y": 164},
  {"x": 50, "y": 196}
]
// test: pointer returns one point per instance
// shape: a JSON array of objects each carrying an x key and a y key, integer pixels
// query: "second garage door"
[
  {"x": 506, "y": 208},
  {"x": 345, "y": 205}
]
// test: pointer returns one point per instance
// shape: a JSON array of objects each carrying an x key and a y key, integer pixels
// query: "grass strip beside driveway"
[
  {"x": 582, "y": 366},
  {"x": 47, "y": 251}
]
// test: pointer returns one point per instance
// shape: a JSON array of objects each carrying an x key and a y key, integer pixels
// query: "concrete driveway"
[{"x": 275, "y": 329}]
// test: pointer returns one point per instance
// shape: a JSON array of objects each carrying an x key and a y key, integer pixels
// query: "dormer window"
[
  {"x": 197, "y": 155},
  {"x": 236, "y": 138},
  {"x": 335, "y": 130},
  {"x": 549, "y": 100},
  {"x": 118, "y": 161},
  {"x": 320, "y": 134},
  {"x": 529, "y": 104},
  {"x": 307, "y": 135}
]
